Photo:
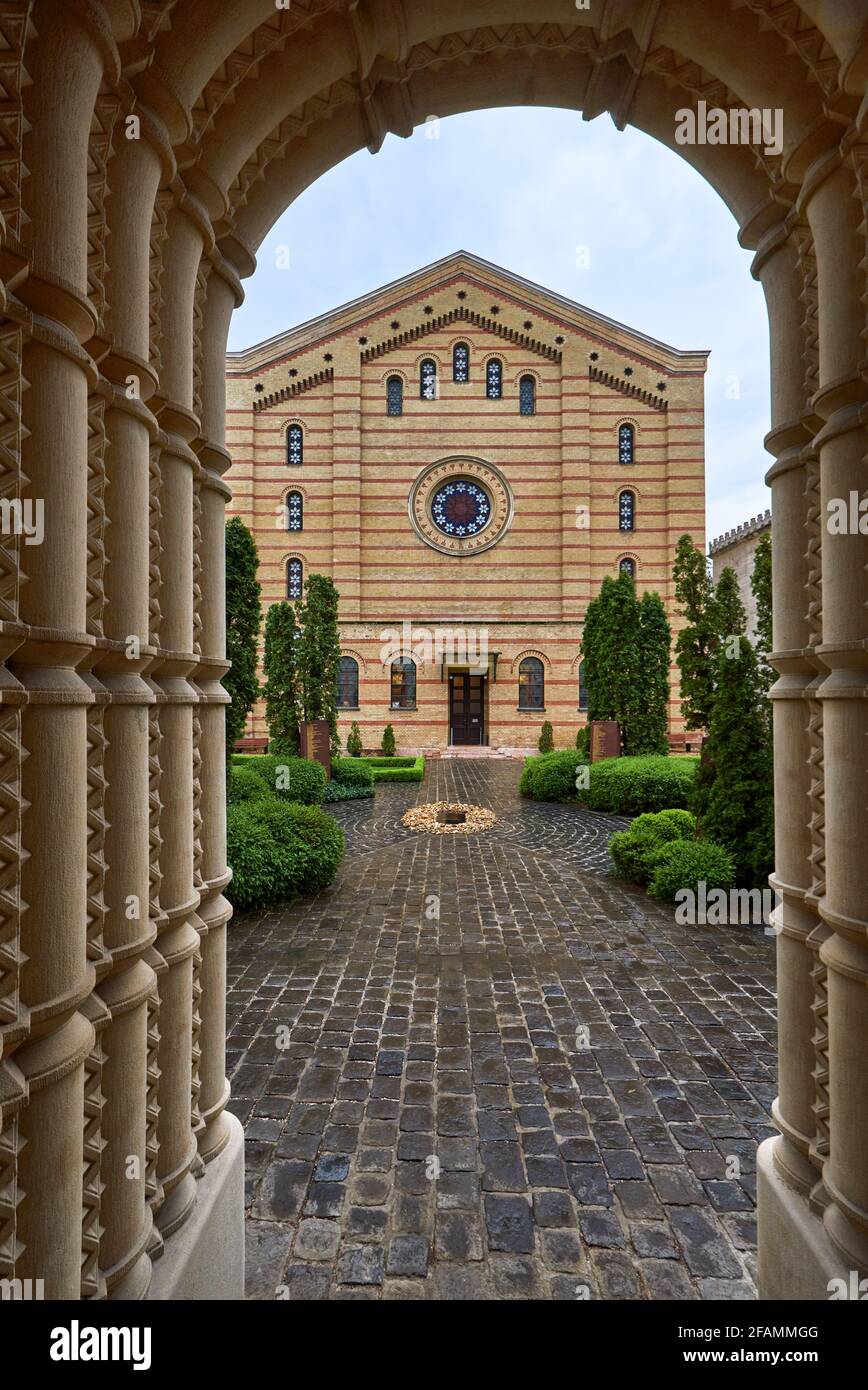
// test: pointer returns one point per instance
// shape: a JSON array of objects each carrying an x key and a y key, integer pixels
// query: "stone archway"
[{"x": 146, "y": 147}]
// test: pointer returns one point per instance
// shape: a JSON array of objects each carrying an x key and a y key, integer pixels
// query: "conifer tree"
[
  {"x": 648, "y": 721},
  {"x": 761, "y": 588},
  {"x": 733, "y": 798},
  {"x": 695, "y": 643},
  {"x": 282, "y": 702},
  {"x": 243, "y": 621},
  {"x": 319, "y": 653}
]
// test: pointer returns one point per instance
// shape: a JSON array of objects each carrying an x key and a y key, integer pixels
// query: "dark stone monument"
[
  {"x": 605, "y": 739},
  {"x": 315, "y": 742},
  {"x": 451, "y": 816}
]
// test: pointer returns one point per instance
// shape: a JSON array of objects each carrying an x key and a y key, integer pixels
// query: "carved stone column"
[
  {"x": 129, "y": 930},
  {"x": 835, "y": 207},
  {"x": 56, "y": 978},
  {"x": 224, "y": 292},
  {"x": 178, "y": 940},
  {"x": 778, "y": 267}
]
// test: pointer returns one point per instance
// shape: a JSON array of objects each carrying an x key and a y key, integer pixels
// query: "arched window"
[
  {"x": 294, "y": 511},
  {"x": 293, "y": 579},
  {"x": 294, "y": 446},
  {"x": 626, "y": 441},
  {"x": 527, "y": 396},
  {"x": 531, "y": 683},
  {"x": 428, "y": 380},
  {"x": 494, "y": 379},
  {"x": 461, "y": 362},
  {"x": 348, "y": 683},
  {"x": 626, "y": 512},
  {"x": 403, "y": 685},
  {"x": 583, "y": 689},
  {"x": 628, "y": 566},
  {"x": 394, "y": 396}
]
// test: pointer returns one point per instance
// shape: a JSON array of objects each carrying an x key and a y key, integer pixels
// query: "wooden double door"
[{"x": 466, "y": 708}]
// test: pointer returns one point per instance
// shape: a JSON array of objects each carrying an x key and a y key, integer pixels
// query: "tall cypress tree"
[
  {"x": 695, "y": 644},
  {"x": 319, "y": 653},
  {"x": 649, "y": 713},
  {"x": 282, "y": 704},
  {"x": 733, "y": 798},
  {"x": 625, "y": 647},
  {"x": 243, "y": 621},
  {"x": 761, "y": 588}
]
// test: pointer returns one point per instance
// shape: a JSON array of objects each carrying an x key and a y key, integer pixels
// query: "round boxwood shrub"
[
  {"x": 277, "y": 849},
  {"x": 687, "y": 863},
  {"x": 244, "y": 785},
  {"x": 352, "y": 773},
  {"x": 633, "y": 850},
  {"x": 551, "y": 777},
  {"x": 292, "y": 779},
  {"x": 319, "y": 833}
]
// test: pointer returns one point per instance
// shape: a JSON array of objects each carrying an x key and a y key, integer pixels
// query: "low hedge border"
[
  {"x": 292, "y": 779},
  {"x": 622, "y": 786},
  {"x": 399, "y": 769}
]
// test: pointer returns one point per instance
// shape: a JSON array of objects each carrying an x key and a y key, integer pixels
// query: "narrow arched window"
[
  {"x": 494, "y": 379},
  {"x": 527, "y": 396},
  {"x": 293, "y": 579},
  {"x": 348, "y": 683},
  {"x": 428, "y": 380},
  {"x": 461, "y": 362},
  {"x": 394, "y": 396},
  {"x": 626, "y": 512},
  {"x": 294, "y": 511},
  {"x": 626, "y": 443},
  {"x": 403, "y": 685},
  {"x": 294, "y": 446},
  {"x": 531, "y": 683},
  {"x": 628, "y": 566},
  {"x": 583, "y": 689}
]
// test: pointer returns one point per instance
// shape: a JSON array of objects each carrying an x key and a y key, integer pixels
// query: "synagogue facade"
[{"x": 467, "y": 455}]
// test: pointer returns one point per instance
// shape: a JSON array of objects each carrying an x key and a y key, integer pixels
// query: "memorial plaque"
[
  {"x": 315, "y": 742},
  {"x": 605, "y": 739}
]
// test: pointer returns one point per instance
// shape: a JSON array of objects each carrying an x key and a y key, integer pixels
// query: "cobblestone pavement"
[{"x": 550, "y": 1090}]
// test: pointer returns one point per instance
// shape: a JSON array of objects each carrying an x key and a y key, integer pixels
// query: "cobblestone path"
[{"x": 548, "y": 1090}]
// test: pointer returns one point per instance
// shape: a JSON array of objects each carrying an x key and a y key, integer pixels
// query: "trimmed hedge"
[
  {"x": 278, "y": 849},
  {"x": 625, "y": 786},
  {"x": 244, "y": 785},
  {"x": 292, "y": 779},
  {"x": 634, "y": 850},
  {"x": 352, "y": 772},
  {"x": 399, "y": 769},
  {"x": 686, "y": 863}
]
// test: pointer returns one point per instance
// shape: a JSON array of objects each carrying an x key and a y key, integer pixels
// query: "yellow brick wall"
[{"x": 528, "y": 593}]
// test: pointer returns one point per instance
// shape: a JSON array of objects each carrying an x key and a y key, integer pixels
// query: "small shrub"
[
  {"x": 354, "y": 741},
  {"x": 352, "y": 772},
  {"x": 582, "y": 742},
  {"x": 629, "y": 786},
  {"x": 387, "y": 747},
  {"x": 244, "y": 785},
  {"x": 686, "y": 863},
  {"x": 277, "y": 849},
  {"x": 633, "y": 851},
  {"x": 342, "y": 791},
  {"x": 551, "y": 777},
  {"x": 546, "y": 740},
  {"x": 292, "y": 779}
]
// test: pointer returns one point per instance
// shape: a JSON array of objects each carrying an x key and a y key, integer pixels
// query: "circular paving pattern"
[
  {"x": 426, "y": 818},
  {"x": 580, "y": 836}
]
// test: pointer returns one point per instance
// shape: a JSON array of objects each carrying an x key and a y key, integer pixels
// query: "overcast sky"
[{"x": 525, "y": 187}]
